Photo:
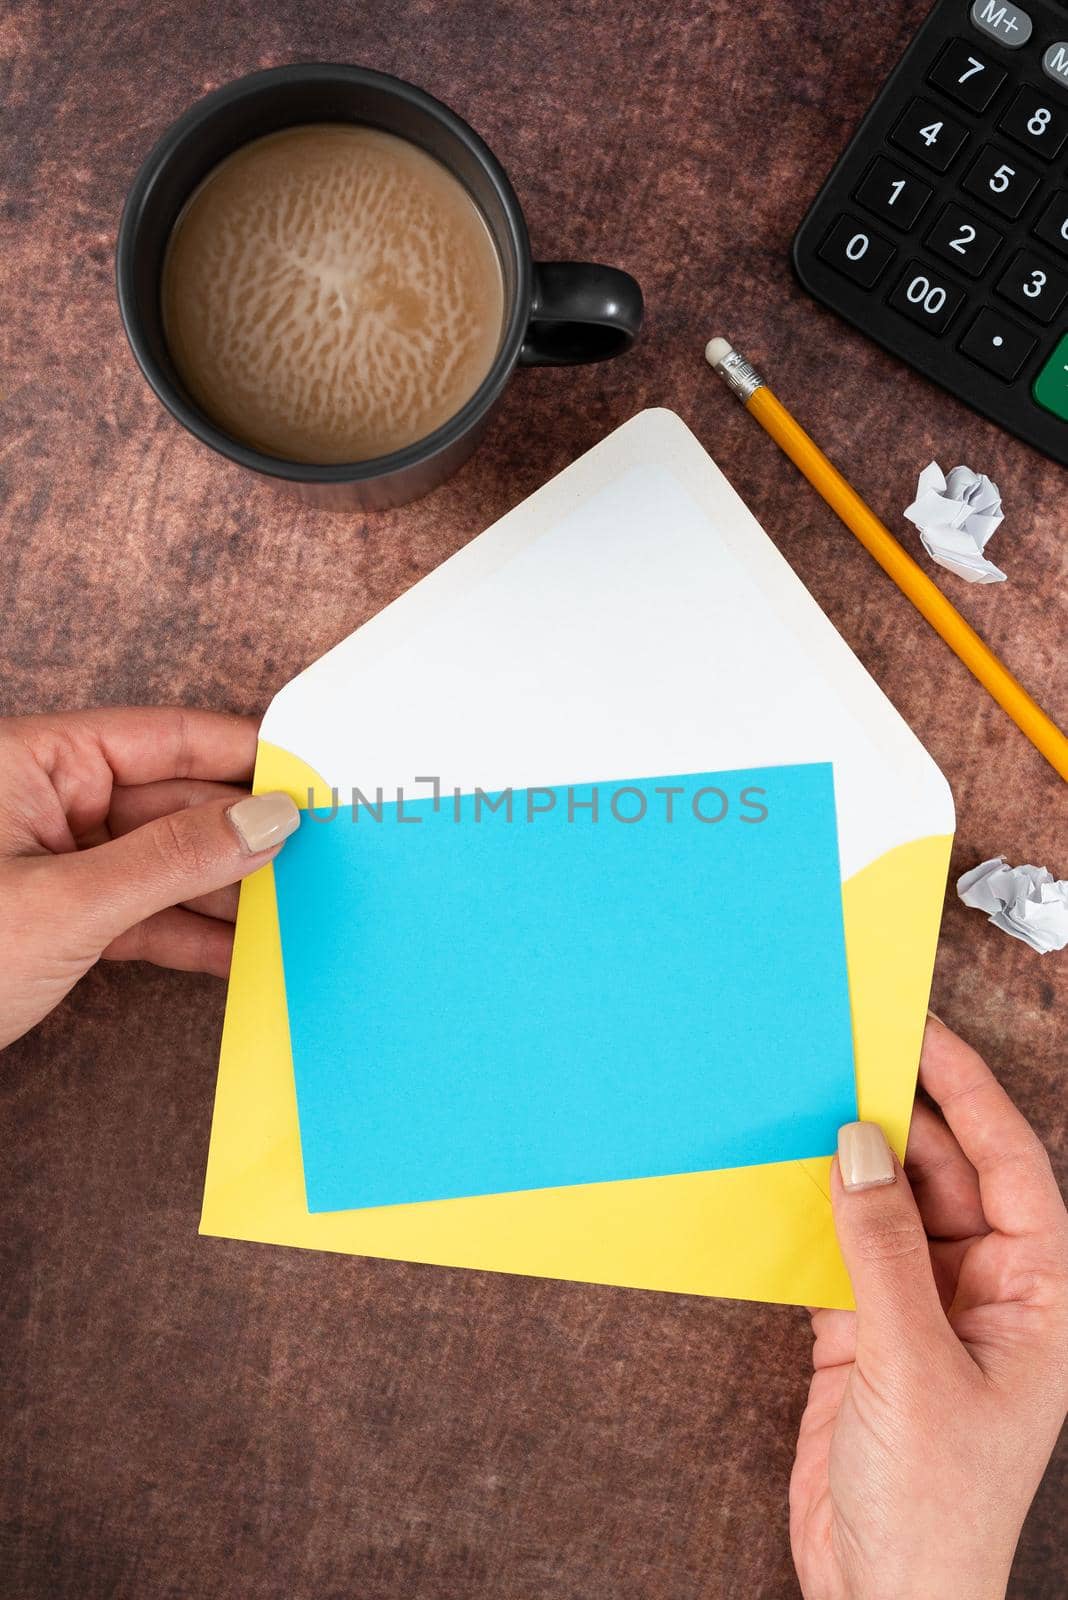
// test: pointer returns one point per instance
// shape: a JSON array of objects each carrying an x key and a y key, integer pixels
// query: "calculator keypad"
[{"x": 943, "y": 230}]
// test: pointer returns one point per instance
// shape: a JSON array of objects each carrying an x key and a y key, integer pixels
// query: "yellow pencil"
[{"x": 749, "y": 387}]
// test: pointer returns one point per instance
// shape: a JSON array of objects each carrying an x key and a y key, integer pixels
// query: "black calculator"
[{"x": 943, "y": 230}]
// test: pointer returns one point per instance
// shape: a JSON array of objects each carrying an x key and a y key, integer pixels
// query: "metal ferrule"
[{"x": 741, "y": 379}]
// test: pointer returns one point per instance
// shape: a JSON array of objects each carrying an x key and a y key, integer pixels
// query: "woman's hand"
[
  {"x": 934, "y": 1408},
  {"x": 120, "y": 834}
]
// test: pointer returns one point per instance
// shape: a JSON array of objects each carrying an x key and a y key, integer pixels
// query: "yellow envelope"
[{"x": 736, "y": 667}]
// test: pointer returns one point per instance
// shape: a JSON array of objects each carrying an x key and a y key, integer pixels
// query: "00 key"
[{"x": 925, "y": 298}]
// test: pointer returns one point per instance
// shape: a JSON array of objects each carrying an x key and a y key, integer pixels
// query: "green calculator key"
[{"x": 1051, "y": 386}]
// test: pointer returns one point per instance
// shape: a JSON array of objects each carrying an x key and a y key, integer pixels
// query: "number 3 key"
[{"x": 1034, "y": 286}]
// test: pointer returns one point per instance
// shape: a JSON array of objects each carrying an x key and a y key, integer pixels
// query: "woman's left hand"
[{"x": 121, "y": 834}]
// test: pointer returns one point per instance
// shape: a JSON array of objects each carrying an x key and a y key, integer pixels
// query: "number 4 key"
[{"x": 927, "y": 134}]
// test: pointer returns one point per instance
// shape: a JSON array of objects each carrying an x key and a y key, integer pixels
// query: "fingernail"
[
  {"x": 264, "y": 820},
  {"x": 934, "y": 1014},
  {"x": 864, "y": 1157}
]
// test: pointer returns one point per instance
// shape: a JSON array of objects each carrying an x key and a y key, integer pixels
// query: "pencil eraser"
[{"x": 716, "y": 350}]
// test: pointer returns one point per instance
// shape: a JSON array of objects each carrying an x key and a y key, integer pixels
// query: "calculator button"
[
  {"x": 965, "y": 75},
  {"x": 997, "y": 344},
  {"x": 929, "y": 135},
  {"x": 999, "y": 20},
  {"x": 1000, "y": 181},
  {"x": 926, "y": 297},
  {"x": 893, "y": 194},
  {"x": 1034, "y": 286},
  {"x": 1050, "y": 388},
  {"x": 854, "y": 249},
  {"x": 1052, "y": 225},
  {"x": 963, "y": 240},
  {"x": 1055, "y": 62},
  {"x": 1033, "y": 121}
]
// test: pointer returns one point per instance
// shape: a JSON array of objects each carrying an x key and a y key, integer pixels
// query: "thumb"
[
  {"x": 175, "y": 858},
  {"x": 884, "y": 1245}
]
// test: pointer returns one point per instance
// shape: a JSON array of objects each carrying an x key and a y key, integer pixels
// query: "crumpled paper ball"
[
  {"x": 956, "y": 515},
  {"x": 1028, "y": 902}
]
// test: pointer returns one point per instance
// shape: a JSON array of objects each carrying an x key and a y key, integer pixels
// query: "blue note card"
[{"x": 529, "y": 988}]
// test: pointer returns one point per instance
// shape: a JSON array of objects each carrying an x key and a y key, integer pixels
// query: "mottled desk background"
[{"x": 187, "y": 1417}]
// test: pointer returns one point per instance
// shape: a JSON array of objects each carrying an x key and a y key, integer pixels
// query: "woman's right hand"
[{"x": 934, "y": 1407}]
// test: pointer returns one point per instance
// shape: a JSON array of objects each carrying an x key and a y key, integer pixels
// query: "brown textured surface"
[{"x": 187, "y": 1417}]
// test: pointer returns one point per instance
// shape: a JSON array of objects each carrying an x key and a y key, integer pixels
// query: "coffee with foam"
[{"x": 331, "y": 293}]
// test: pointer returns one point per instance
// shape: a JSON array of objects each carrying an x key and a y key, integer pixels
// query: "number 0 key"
[{"x": 857, "y": 251}]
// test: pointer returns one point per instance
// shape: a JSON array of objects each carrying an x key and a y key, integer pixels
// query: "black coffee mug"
[{"x": 556, "y": 312}]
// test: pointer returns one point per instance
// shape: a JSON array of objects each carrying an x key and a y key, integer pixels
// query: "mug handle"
[{"x": 580, "y": 311}]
